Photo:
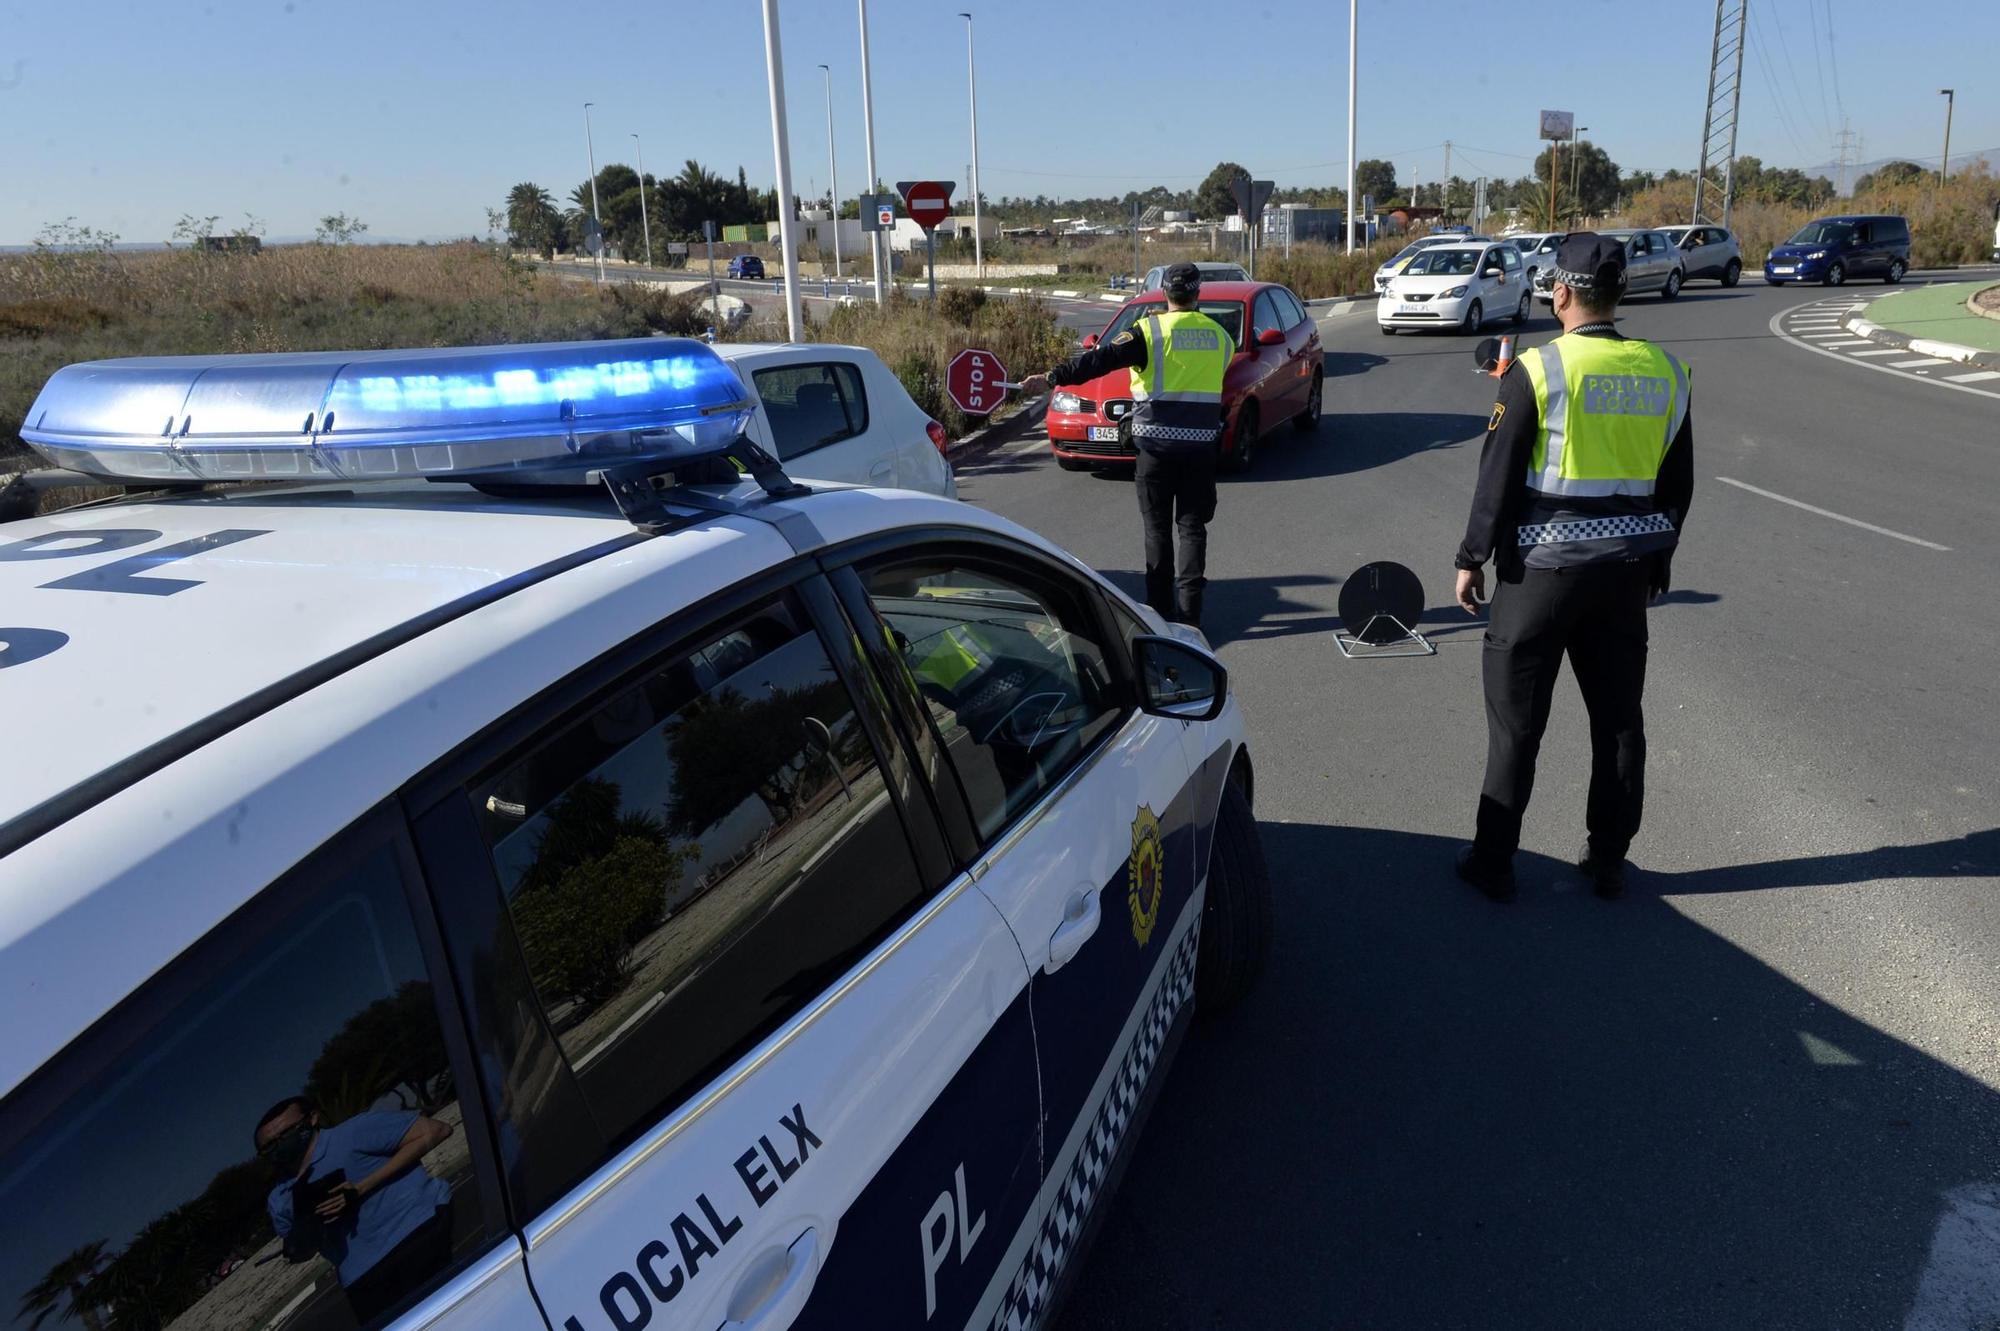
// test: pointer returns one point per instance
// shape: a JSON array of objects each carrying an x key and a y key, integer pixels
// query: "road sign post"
[
  {"x": 714, "y": 290},
  {"x": 927, "y": 202},
  {"x": 976, "y": 381},
  {"x": 1251, "y": 196}
]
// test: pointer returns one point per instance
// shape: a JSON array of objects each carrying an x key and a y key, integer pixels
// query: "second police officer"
[
  {"x": 1177, "y": 359},
  {"x": 1584, "y": 486}
]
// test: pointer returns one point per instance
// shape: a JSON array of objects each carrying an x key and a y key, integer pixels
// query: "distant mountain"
[{"x": 1990, "y": 156}]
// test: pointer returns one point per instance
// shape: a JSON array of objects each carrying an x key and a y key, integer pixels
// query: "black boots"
[
  {"x": 1494, "y": 878},
  {"x": 1605, "y": 872}
]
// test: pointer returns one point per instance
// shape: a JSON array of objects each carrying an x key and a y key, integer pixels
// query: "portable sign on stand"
[
  {"x": 1385, "y": 601},
  {"x": 928, "y": 202}
]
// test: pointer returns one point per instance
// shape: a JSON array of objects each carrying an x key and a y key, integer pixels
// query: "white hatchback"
[
  {"x": 1456, "y": 286},
  {"x": 516, "y": 874}
]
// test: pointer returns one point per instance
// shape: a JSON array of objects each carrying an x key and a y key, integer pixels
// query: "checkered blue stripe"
[
  {"x": 1033, "y": 1284},
  {"x": 1594, "y": 529},
  {"x": 1177, "y": 433}
]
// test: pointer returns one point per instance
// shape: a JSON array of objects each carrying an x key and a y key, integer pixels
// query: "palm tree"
[
  {"x": 65, "y": 1290},
  {"x": 532, "y": 220}
]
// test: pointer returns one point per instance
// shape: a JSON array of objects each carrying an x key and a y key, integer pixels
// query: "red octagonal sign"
[
  {"x": 927, "y": 201},
  {"x": 973, "y": 379}
]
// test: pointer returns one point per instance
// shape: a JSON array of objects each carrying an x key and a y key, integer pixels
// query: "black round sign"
[{"x": 1377, "y": 594}]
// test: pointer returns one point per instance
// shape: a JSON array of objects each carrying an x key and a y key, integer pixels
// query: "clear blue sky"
[{"x": 417, "y": 115}]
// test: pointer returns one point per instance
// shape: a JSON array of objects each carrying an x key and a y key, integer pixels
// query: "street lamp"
[
  {"x": 1353, "y": 27},
  {"x": 832, "y": 172},
  {"x": 645, "y": 227},
  {"x": 876, "y": 257},
  {"x": 781, "y": 154},
  {"x": 1945, "y": 161},
  {"x": 592, "y": 149},
  {"x": 1575, "y": 166},
  {"x": 972, "y": 98}
]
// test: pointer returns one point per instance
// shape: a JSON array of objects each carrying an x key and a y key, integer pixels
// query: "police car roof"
[{"x": 259, "y": 668}]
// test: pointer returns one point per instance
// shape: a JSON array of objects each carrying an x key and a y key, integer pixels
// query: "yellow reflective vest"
[{"x": 1177, "y": 393}]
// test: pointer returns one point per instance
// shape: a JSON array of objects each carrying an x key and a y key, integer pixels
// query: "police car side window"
[
  {"x": 693, "y": 859},
  {"x": 1009, "y": 667},
  {"x": 268, "y": 1131},
  {"x": 811, "y": 406}
]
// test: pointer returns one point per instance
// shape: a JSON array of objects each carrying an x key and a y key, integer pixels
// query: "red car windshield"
[{"x": 1228, "y": 313}]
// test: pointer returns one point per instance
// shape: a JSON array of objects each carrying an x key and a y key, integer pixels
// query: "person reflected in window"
[{"x": 357, "y": 1194}]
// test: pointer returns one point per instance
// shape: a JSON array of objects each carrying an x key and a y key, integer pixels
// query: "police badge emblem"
[{"x": 1145, "y": 874}]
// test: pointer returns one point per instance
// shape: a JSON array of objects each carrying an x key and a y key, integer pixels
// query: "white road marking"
[
  {"x": 1921, "y": 360},
  {"x": 1837, "y": 517},
  {"x": 1777, "y": 326},
  {"x": 1856, "y": 342},
  {"x": 1884, "y": 351},
  {"x": 1977, "y": 376},
  {"x": 1831, "y": 332},
  {"x": 1960, "y": 1286}
]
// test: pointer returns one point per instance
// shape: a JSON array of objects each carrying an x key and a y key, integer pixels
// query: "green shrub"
[
  {"x": 960, "y": 304},
  {"x": 578, "y": 930}
]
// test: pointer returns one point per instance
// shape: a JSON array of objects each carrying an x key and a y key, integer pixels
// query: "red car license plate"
[{"x": 1103, "y": 434}]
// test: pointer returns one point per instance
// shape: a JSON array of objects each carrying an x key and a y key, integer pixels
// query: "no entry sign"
[
  {"x": 928, "y": 202},
  {"x": 974, "y": 379}
]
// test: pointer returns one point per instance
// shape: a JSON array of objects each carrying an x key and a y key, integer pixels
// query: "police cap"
[
  {"x": 1586, "y": 261},
  {"x": 1182, "y": 281}
]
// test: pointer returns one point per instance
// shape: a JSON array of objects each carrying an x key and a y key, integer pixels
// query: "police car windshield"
[
  {"x": 1822, "y": 233},
  {"x": 1228, "y": 313},
  {"x": 1444, "y": 262}
]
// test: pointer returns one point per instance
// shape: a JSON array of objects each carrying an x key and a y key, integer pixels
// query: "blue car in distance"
[
  {"x": 746, "y": 265},
  {"x": 1832, "y": 249}
]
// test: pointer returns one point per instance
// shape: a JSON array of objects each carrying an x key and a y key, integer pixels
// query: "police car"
[{"x": 498, "y": 868}]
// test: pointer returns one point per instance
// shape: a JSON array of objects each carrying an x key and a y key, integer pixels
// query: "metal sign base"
[{"x": 1356, "y": 647}]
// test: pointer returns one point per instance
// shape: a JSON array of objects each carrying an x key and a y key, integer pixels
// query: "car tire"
[
  {"x": 1387, "y": 331},
  {"x": 1836, "y": 275},
  {"x": 1475, "y": 318},
  {"x": 1072, "y": 464},
  {"x": 1526, "y": 308},
  {"x": 1244, "y": 455},
  {"x": 1673, "y": 286},
  {"x": 1896, "y": 270},
  {"x": 1237, "y": 915},
  {"x": 1308, "y": 420},
  {"x": 1732, "y": 274}
]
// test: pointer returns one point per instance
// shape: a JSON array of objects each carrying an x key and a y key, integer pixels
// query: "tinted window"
[
  {"x": 1891, "y": 230},
  {"x": 140, "y": 1189},
  {"x": 1290, "y": 312},
  {"x": 693, "y": 859},
  {"x": 1265, "y": 315},
  {"x": 1443, "y": 263},
  {"x": 1823, "y": 233},
  {"x": 1010, "y": 669},
  {"x": 810, "y": 406}
]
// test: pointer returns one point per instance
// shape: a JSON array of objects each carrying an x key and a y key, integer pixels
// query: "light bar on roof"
[{"x": 367, "y": 415}]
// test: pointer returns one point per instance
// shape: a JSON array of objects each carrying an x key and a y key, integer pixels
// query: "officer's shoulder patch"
[
  {"x": 1499, "y": 414},
  {"x": 1123, "y": 337}
]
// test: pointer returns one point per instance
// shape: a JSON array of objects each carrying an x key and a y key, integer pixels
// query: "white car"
[
  {"x": 1401, "y": 258},
  {"x": 498, "y": 869},
  {"x": 1156, "y": 276},
  {"x": 1538, "y": 250},
  {"x": 1456, "y": 286},
  {"x": 834, "y": 413}
]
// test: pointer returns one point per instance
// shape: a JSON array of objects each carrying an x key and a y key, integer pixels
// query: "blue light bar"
[{"x": 369, "y": 415}]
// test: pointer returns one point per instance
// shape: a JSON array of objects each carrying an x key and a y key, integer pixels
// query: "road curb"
[
  {"x": 972, "y": 447},
  {"x": 1923, "y": 346}
]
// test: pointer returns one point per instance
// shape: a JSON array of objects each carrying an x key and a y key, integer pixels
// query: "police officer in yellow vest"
[
  {"x": 1584, "y": 484},
  {"x": 1178, "y": 358}
]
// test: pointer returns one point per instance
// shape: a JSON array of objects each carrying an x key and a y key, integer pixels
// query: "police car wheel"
[
  {"x": 1308, "y": 420},
  {"x": 1475, "y": 318},
  {"x": 1236, "y": 917}
]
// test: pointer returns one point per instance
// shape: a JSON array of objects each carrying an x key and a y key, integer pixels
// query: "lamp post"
[
  {"x": 781, "y": 150},
  {"x": 1353, "y": 27},
  {"x": 832, "y": 172},
  {"x": 645, "y": 227},
  {"x": 1576, "y": 167},
  {"x": 591, "y": 148},
  {"x": 972, "y": 99},
  {"x": 875, "y": 239},
  {"x": 1944, "y": 162}
]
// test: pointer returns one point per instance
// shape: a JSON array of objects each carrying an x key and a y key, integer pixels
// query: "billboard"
[{"x": 1558, "y": 124}]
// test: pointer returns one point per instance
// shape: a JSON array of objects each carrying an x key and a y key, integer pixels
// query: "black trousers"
[
  {"x": 1176, "y": 498},
  {"x": 1596, "y": 615}
]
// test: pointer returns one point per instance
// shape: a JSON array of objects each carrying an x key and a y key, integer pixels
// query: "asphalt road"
[{"x": 1761, "y": 1090}]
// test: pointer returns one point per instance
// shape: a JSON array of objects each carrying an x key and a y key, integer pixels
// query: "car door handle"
[
  {"x": 883, "y": 467},
  {"x": 775, "y": 1285},
  {"x": 1081, "y": 915}
]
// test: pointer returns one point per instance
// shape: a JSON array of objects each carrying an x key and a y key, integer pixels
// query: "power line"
[
  {"x": 1798, "y": 92},
  {"x": 1833, "y": 61},
  {"x": 1771, "y": 72},
  {"x": 1777, "y": 97},
  {"x": 1819, "y": 66}
]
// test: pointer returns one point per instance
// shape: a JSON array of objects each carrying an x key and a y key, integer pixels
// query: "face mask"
[{"x": 288, "y": 1150}]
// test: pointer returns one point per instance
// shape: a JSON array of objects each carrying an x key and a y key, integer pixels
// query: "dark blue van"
[{"x": 1833, "y": 249}]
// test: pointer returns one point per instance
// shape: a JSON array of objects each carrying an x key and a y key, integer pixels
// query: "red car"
[{"x": 1276, "y": 376}]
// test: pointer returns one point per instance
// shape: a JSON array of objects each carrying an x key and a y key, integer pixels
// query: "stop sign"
[
  {"x": 928, "y": 202},
  {"x": 973, "y": 379}
]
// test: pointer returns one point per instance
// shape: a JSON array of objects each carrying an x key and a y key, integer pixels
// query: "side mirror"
[
  {"x": 1271, "y": 337},
  {"x": 1178, "y": 680},
  {"x": 1487, "y": 355},
  {"x": 1494, "y": 272},
  {"x": 1089, "y": 341}
]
